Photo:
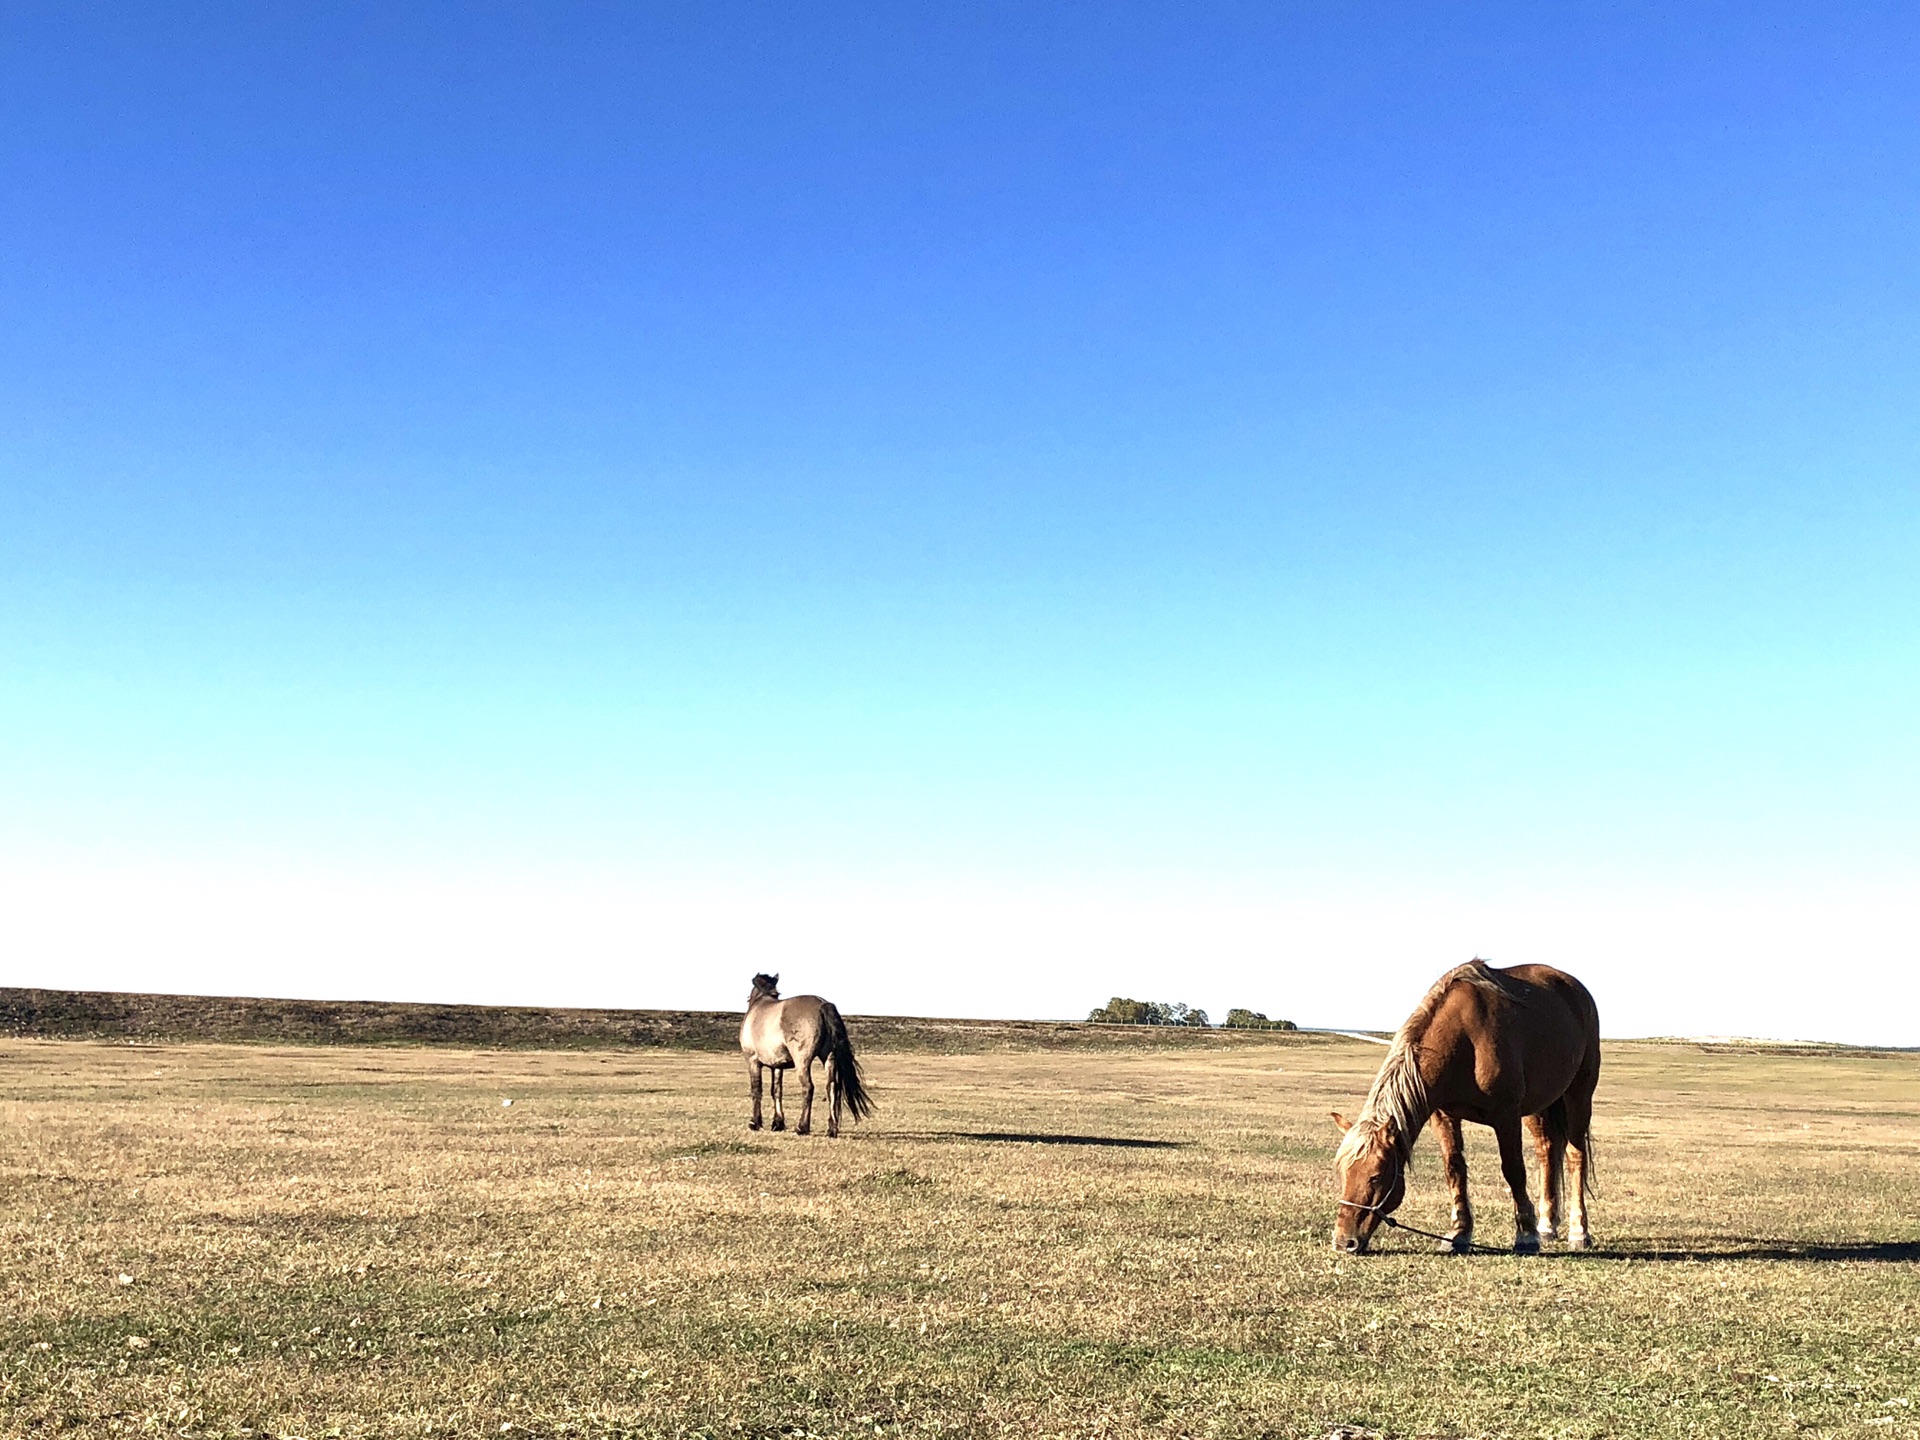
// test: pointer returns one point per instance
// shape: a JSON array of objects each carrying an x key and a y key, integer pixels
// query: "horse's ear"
[{"x": 1342, "y": 1121}]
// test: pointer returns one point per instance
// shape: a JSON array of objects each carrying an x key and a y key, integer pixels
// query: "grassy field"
[{"x": 215, "y": 1240}]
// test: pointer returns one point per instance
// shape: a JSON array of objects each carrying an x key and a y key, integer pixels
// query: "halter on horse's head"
[{"x": 1372, "y": 1162}]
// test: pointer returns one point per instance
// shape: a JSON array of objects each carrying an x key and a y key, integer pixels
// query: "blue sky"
[{"x": 1293, "y": 466}]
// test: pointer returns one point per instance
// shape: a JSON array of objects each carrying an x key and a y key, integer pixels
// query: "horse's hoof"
[
  {"x": 1579, "y": 1240},
  {"x": 753, "y": 1124},
  {"x": 833, "y": 1134},
  {"x": 803, "y": 1129},
  {"x": 1460, "y": 1244},
  {"x": 1526, "y": 1244},
  {"x": 778, "y": 1125},
  {"x": 1549, "y": 1232}
]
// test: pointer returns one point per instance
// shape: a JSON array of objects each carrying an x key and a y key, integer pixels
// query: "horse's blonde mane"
[{"x": 1397, "y": 1104}]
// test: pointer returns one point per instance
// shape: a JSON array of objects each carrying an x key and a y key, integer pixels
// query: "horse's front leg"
[
  {"x": 1453, "y": 1161},
  {"x": 803, "y": 1071},
  {"x": 1513, "y": 1164},
  {"x": 778, "y": 1081},
  {"x": 753, "y": 1088}
]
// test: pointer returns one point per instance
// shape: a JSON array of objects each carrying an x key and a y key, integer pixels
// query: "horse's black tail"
[{"x": 846, "y": 1069}]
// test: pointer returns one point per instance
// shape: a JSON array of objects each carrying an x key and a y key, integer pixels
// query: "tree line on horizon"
[{"x": 1121, "y": 1010}]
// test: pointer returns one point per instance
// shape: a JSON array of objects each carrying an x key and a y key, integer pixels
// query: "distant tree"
[
  {"x": 1238, "y": 1019},
  {"x": 1122, "y": 1011}
]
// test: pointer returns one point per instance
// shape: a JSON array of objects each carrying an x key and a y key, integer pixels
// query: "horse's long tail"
[{"x": 846, "y": 1069}]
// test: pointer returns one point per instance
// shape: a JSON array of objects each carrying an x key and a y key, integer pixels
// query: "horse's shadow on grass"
[
  {"x": 1021, "y": 1137},
  {"x": 1669, "y": 1248}
]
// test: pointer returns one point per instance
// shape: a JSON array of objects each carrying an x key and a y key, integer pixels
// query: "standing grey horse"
[{"x": 781, "y": 1035}]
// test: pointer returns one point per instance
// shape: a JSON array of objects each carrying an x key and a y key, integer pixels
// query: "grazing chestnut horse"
[
  {"x": 781, "y": 1035},
  {"x": 1497, "y": 1047}
]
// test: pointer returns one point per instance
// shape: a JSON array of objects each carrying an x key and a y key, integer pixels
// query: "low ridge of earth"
[
  {"x": 206, "y": 1239},
  {"x": 116, "y": 1015}
]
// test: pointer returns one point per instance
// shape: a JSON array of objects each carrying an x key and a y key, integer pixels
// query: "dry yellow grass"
[{"x": 212, "y": 1240}]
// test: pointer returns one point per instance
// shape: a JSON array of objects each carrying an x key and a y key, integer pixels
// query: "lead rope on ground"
[
  {"x": 1443, "y": 1239},
  {"x": 1377, "y": 1206}
]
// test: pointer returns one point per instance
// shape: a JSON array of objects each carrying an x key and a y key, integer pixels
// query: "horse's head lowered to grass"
[
  {"x": 1374, "y": 1149},
  {"x": 1372, "y": 1166}
]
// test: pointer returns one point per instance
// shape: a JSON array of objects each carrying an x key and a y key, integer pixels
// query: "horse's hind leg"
[
  {"x": 1513, "y": 1164},
  {"x": 777, "y": 1080},
  {"x": 753, "y": 1088},
  {"x": 1549, "y": 1132},
  {"x": 834, "y": 1098},
  {"x": 1453, "y": 1160},
  {"x": 803, "y": 1069},
  {"x": 1579, "y": 1103}
]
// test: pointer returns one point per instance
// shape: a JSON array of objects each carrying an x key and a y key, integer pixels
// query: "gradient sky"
[{"x": 978, "y": 511}]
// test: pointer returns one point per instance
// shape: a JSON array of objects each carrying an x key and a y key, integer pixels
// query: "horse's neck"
[
  {"x": 1410, "y": 1133},
  {"x": 1399, "y": 1099}
]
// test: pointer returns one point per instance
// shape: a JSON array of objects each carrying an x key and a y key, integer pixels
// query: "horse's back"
[
  {"x": 1525, "y": 1033},
  {"x": 1568, "y": 990}
]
